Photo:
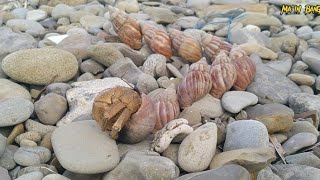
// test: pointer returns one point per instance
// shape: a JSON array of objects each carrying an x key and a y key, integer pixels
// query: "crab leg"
[
  {"x": 124, "y": 117},
  {"x": 113, "y": 110}
]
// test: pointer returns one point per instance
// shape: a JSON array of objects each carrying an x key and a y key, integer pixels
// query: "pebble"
[
  {"x": 299, "y": 67},
  {"x": 310, "y": 57},
  {"x": 253, "y": 159},
  {"x": 299, "y": 141},
  {"x": 302, "y": 79},
  {"x": 11, "y": 89},
  {"x": 295, "y": 20},
  {"x": 306, "y": 158},
  {"x": 172, "y": 152},
  {"x": 276, "y": 117},
  {"x": 245, "y": 35},
  {"x": 58, "y": 88},
  {"x": 235, "y": 101},
  {"x": 105, "y": 54},
  {"x": 261, "y": 51},
  {"x": 77, "y": 176},
  {"x": 198, "y": 148},
  {"x": 31, "y": 27},
  {"x": 46, "y": 141},
  {"x": 55, "y": 177},
  {"x": 7, "y": 161},
  {"x": 294, "y": 171},
  {"x": 91, "y": 66},
  {"x": 246, "y": 134},
  {"x": 27, "y": 143},
  {"x": 271, "y": 86},
  {"x": 41, "y": 129},
  {"x": 51, "y": 64},
  {"x": 258, "y": 19},
  {"x": 3, "y": 144},
  {"x": 141, "y": 146},
  {"x": 142, "y": 165},
  {"x": 28, "y": 156},
  {"x": 36, "y": 15},
  {"x": 31, "y": 176},
  {"x": 62, "y": 10},
  {"x": 30, "y": 135},
  {"x": 155, "y": 66},
  {"x": 89, "y": 157},
  {"x": 161, "y": 15},
  {"x": 267, "y": 174},
  {"x": 283, "y": 66},
  {"x": 90, "y": 21},
  {"x": 174, "y": 71},
  {"x": 302, "y": 126},
  {"x": 45, "y": 169},
  {"x": 80, "y": 98},
  {"x": 14, "y": 111},
  {"x": 51, "y": 108},
  {"x": 4, "y": 175},
  {"x": 227, "y": 172},
  {"x": 306, "y": 89}
]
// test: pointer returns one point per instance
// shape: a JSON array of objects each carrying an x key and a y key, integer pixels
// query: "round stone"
[
  {"x": 10, "y": 89},
  {"x": 99, "y": 154},
  {"x": 302, "y": 79},
  {"x": 28, "y": 156},
  {"x": 235, "y": 101},
  {"x": 40, "y": 66},
  {"x": 14, "y": 111},
  {"x": 198, "y": 148},
  {"x": 246, "y": 134}
]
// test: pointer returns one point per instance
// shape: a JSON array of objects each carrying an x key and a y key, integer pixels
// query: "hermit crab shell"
[
  {"x": 166, "y": 107},
  {"x": 141, "y": 123},
  {"x": 196, "y": 84},
  {"x": 246, "y": 69},
  {"x": 223, "y": 77},
  {"x": 157, "y": 39},
  {"x": 126, "y": 27},
  {"x": 186, "y": 46},
  {"x": 113, "y": 107},
  {"x": 213, "y": 45},
  {"x": 222, "y": 57}
]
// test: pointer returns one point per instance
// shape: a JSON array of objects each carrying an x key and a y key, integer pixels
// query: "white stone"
[{"x": 235, "y": 101}]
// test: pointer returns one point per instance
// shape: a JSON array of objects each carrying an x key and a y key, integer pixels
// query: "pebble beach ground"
[{"x": 159, "y": 89}]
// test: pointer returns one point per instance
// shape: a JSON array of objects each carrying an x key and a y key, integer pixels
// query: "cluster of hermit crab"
[{"x": 131, "y": 116}]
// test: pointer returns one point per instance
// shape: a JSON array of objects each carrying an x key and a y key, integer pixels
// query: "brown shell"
[
  {"x": 222, "y": 57},
  {"x": 141, "y": 123},
  {"x": 223, "y": 77},
  {"x": 113, "y": 107},
  {"x": 166, "y": 107},
  {"x": 246, "y": 69},
  {"x": 213, "y": 45},
  {"x": 195, "y": 85},
  {"x": 126, "y": 27},
  {"x": 187, "y": 47},
  {"x": 157, "y": 39}
]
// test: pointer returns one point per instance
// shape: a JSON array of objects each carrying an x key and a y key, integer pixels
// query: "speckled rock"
[
  {"x": 16, "y": 131},
  {"x": 246, "y": 134},
  {"x": 105, "y": 54},
  {"x": 98, "y": 155},
  {"x": 50, "y": 64},
  {"x": 39, "y": 128},
  {"x": 11, "y": 89},
  {"x": 14, "y": 111},
  {"x": 198, "y": 148}
]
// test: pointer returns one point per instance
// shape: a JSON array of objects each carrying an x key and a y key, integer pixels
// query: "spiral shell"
[
  {"x": 195, "y": 85},
  {"x": 213, "y": 45},
  {"x": 223, "y": 77},
  {"x": 222, "y": 57},
  {"x": 166, "y": 107},
  {"x": 157, "y": 39},
  {"x": 186, "y": 46},
  {"x": 141, "y": 124},
  {"x": 126, "y": 27},
  {"x": 246, "y": 69}
]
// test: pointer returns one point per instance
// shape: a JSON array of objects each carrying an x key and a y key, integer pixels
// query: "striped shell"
[
  {"x": 222, "y": 57},
  {"x": 157, "y": 39},
  {"x": 246, "y": 69},
  {"x": 186, "y": 46},
  {"x": 126, "y": 27},
  {"x": 223, "y": 77},
  {"x": 213, "y": 45},
  {"x": 166, "y": 107},
  {"x": 195, "y": 85},
  {"x": 141, "y": 123}
]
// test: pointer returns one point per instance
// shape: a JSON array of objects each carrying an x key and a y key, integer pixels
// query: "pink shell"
[
  {"x": 141, "y": 123},
  {"x": 213, "y": 45},
  {"x": 195, "y": 85},
  {"x": 246, "y": 69},
  {"x": 223, "y": 77},
  {"x": 166, "y": 107},
  {"x": 222, "y": 57}
]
